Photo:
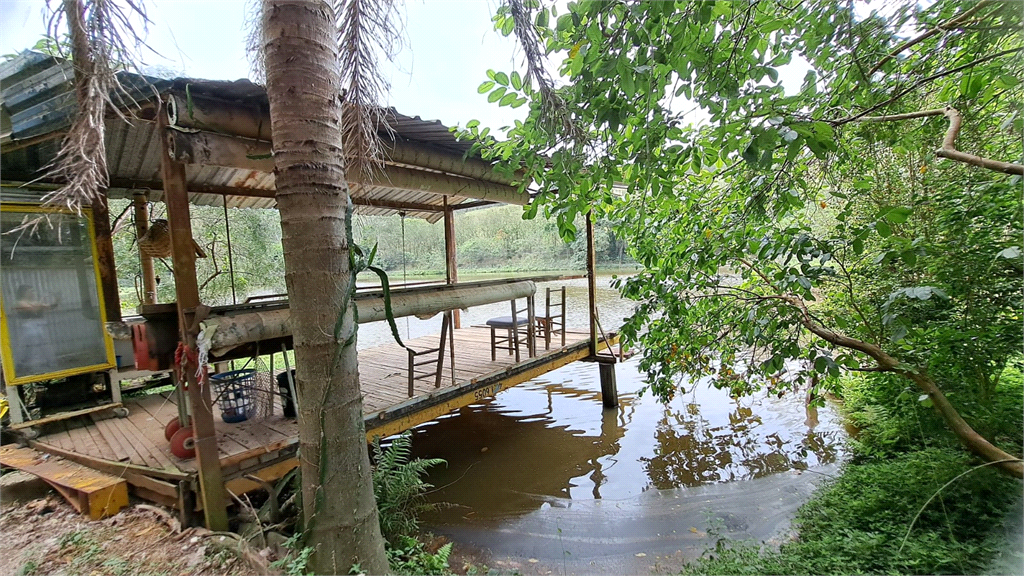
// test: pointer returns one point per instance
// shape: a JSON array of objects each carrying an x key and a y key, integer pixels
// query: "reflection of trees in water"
[
  {"x": 505, "y": 462},
  {"x": 691, "y": 451},
  {"x": 510, "y": 462}
]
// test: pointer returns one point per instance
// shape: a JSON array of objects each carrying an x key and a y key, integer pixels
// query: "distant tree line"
[{"x": 488, "y": 240}]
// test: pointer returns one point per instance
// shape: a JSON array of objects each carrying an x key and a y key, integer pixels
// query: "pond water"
[{"x": 542, "y": 478}]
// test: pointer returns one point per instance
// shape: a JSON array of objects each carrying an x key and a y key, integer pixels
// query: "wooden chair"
[
  {"x": 553, "y": 320},
  {"x": 515, "y": 326},
  {"x": 447, "y": 333}
]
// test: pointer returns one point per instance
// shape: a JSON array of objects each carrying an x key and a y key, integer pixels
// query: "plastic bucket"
[{"x": 232, "y": 392}]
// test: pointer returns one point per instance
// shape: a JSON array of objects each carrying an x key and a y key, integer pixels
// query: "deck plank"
[
  {"x": 159, "y": 451},
  {"x": 113, "y": 441},
  {"x": 384, "y": 385}
]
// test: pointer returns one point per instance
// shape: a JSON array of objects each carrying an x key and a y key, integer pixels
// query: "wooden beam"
[
  {"x": 116, "y": 468},
  {"x": 63, "y": 416},
  {"x": 196, "y": 188},
  {"x": 208, "y": 148},
  {"x": 451, "y": 265},
  {"x": 447, "y": 185},
  {"x": 248, "y": 121},
  {"x": 91, "y": 492},
  {"x": 592, "y": 282},
  {"x": 141, "y": 213},
  {"x": 105, "y": 259},
  {"x": 477, "y": 204},
  {"x": 186, "y": 287}
]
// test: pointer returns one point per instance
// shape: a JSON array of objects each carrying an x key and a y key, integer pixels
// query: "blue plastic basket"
[{"x": 232, "y": 392}]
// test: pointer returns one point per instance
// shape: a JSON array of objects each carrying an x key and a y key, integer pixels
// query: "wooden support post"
[
  {"x": 451, "y": 265},
  {"x": 141, "y": 204},
  {"x": 609, "y": 389},
  {"x": 531, "y": 324},
  {"x": 105, "y": 259},
  {"x": 186, "y": 287},
  {"x": 15, "y": 407},
  {"x": 592, "y": 282}
]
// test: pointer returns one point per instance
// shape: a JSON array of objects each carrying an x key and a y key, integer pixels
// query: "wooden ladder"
[{"x": 91, "y": 492}]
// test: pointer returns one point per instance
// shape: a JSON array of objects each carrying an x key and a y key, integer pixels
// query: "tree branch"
[
  {"x": 923, "y": 81},
  {"x": 951, "y": 23},
  {"x": 971, "y": 440},
  {"x": 948, "y": 149}
]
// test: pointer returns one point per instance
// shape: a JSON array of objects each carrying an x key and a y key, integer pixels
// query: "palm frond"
[
  {"x": 367, "y": 31},
  {"x": 103, "y": 41}
]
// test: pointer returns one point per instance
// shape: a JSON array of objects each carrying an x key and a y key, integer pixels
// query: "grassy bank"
[{"x": 910, "y": 500}]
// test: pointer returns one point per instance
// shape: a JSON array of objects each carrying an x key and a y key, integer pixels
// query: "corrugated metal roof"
[{"x": 36, "y": 95}]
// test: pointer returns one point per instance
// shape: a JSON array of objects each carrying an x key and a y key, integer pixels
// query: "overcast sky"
[{"x": 449, "y": 46}]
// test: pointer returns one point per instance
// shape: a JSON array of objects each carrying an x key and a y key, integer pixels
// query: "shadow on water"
[{"x": 543, "y": 472}]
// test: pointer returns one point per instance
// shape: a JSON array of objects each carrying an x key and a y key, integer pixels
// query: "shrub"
[
  {"x": 856, "y": 523},
  {"x": 399, "y": 487}
]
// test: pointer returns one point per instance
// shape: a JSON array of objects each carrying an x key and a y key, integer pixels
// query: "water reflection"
[
  {"x": 542, "y": 471},
  {"x": 548, "y": 443}
]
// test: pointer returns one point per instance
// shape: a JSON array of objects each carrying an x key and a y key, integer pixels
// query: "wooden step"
[{"x": 91, "y": 492}]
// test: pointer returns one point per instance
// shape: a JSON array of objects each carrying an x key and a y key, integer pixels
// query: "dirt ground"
[{"x": 48, "y": 536}]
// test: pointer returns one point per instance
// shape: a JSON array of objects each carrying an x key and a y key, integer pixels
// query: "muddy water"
[{"x": 541, "y": 478}]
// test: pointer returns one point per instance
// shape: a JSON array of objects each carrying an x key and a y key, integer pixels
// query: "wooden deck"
[{"x": 135, "y": 446}]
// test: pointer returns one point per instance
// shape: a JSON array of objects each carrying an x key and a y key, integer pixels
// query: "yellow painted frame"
[{"x": 7, "y": 356}]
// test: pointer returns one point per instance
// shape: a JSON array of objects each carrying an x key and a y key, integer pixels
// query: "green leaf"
[
  {"x": 628, "y": 85},
  {"x": 542, "y": 18},
  {"x": 858, "y": 246},
  {"x": 496, "y": 95},
  {"x": 883, "y": 229},
  {"x": 563, "y": 23},
  {"x": 507, "y": 99},
  {"x": 501, "y": 78},
  {"x": 1007, "y": 81},
  {"x": 517, "y": 81},
  {"x": 485, "y": 87},
  {"x": 750, "y": 154},
  {"x": 386, "y": 288},
  {"x": 820, "y": 364},
  {"x": 898, "y": 215}
]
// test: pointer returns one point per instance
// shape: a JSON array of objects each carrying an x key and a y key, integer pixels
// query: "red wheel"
[
  {"x": 183, "y": 445},
  {"x": 172, "y": 427}
]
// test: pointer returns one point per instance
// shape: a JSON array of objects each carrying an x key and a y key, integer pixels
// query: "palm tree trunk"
[{"x": 303, "y": 86}]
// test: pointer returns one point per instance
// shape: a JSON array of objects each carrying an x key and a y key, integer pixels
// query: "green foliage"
[
  {"x": 255, "y": 247},
  {"x": 856, "y": 523},
  {"x": 794, "y": 222},
  {"x": 891, "y": 417},
  {"x": 398, "y": 486},
  {"x": 297, "y": 560},
  {"x": 407, "y": 555}
]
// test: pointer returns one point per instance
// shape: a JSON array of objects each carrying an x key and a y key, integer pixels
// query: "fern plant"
[{"x": 399, "y": 487}]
